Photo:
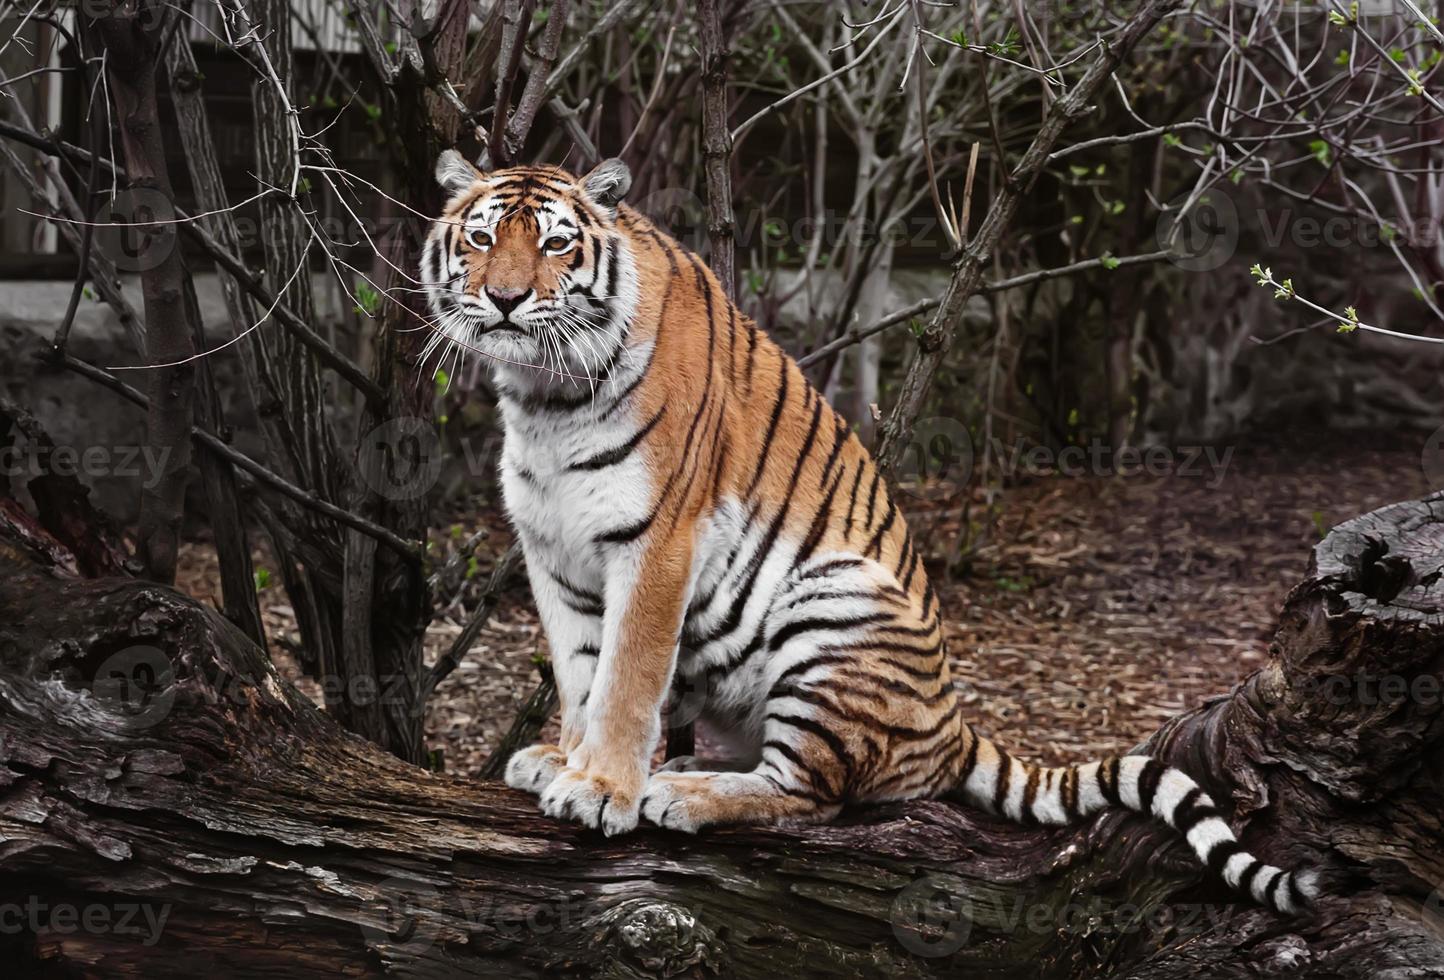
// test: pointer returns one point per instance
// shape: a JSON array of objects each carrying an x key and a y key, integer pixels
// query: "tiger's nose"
[{"x": 506, "y": 298}]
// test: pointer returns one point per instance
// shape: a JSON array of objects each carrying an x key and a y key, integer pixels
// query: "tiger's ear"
[
  {"x": 455, "y": 173},
  {"x": 607, "y": 184}
]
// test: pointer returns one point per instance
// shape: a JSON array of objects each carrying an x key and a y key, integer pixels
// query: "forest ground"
[{"x": 1102, "y": 606}]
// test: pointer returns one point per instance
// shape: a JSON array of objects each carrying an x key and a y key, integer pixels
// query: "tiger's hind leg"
[{"x": 798, "y": 780}]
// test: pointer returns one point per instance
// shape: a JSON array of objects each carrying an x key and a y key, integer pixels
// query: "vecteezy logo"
[
  {"x": 402, "y": 916},
  {"x": 400, "y": 459},
  {"x": 938, "y": 457},
  {"x": 1201, "y": 233},
  {"x": 681, "y": 213},
  {"x": 932, "y": 916},
  {"x": 136, "y": 229},
  {"x": 137, "y": 685}
]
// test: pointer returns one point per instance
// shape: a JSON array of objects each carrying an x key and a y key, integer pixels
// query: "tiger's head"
[{"x": 528, "y": 267}]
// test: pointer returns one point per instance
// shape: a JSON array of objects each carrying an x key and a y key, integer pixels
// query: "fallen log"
[{"x": 169, "y": 806}]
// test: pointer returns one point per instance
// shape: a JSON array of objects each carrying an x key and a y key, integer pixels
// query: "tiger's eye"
[
  {"x": 478, "y": 238},
  {"x": 556, "y": 243}
]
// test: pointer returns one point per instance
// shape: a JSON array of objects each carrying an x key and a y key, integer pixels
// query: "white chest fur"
[{"x": 561, "y": 505}]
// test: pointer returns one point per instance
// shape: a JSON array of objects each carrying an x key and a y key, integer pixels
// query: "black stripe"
[
  {"x": 611, "y": 457},
  {"x": 820, "y": 521},
  {"x": 581, "y": 609},
  {"x": 872, "y": 497},
  {"x": 912, "y": 570},
  {"x": 1148, "y": 785},
  {"x": 751, "y": 353},
  {"x": 1219, "y": 855},
  {"x": 1108, "y": 781},
  {"x": 742, "y": 656},
  {"x": 839, "y": 437},
  {"x": 815, "y": 777},
  {"x": 800, "y": 626},
  {"x": 828, "y": 596},
  {"x": 904, "y": 551},
  {"x": 771, "y": 429},
  {"x": 802, "y": 666},
  {"x": 1245, "y": 880},
  {"x": 581, "y": 600},
  {"x": 1070, "y": 793},
  {"x": 919, "y": 673},
  {"x": 824, "y": 734},
  {"x": 1030, "y": 794},
  {"x": 1271, "y": 892},
  {"x": 1300, "y": 900},
  {"x": 731, "y": 341},
  {"x": 1005, "y": 775},
  {"x": 852, "y": 498},
  {"x": 631, "y": 387},
  {"x": 876, "y": 543},
  {"x": 588, "y": 650},
  {"x": 832, "y": 565},
  {"x": 970, "y": 761},
  {"x": 627, "y": 533},
  {"x": 1191, "y": 811}
]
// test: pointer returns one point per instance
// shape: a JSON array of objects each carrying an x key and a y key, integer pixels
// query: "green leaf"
[
  {"x": 368, "y": 300},
  {"x": 263, "y": 578},
  {"x": 1322, "y": 151},
  {"x": 1109, "y": 262}
]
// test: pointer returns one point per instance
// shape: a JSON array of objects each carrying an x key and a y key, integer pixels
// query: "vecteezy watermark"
[
  {"x": 933, "y": 916},
  {"x": 142, "y": 920},
  {"x": 136, "y": 229},
  {"x": 410, "y": 916},
  {"x": 136, "y": 685},
  {"x": 28, "y": 460},
  {"x": 937, "y": 915},
  {"x": 939, "y": 454},
  {"x": 400, "y": 459},
  {"x": 1201, "y": 233},
  {"x": 1370, "y": 690},
  {"x": 1098, "y": 458}
]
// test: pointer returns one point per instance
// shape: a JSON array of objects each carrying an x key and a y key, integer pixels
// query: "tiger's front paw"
[
  {"x": 601, "y": 802},
  {"x": 534, "y": 767}
]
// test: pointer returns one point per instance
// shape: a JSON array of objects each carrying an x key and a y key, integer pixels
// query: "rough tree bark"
[
  {"x": 717, "y": 144},
  {"x": 151, "y": 757}
]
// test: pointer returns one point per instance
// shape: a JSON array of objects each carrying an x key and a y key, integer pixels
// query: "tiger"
[{"x": 699, "y": 525}]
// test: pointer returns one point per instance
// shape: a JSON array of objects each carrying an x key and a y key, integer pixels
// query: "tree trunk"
[
  {"x": 131, "y": 37},
  {"x": 168, "y": 803}
]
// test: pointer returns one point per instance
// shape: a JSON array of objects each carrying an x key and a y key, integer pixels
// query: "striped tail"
[{"x": 1030, "y": 794}]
